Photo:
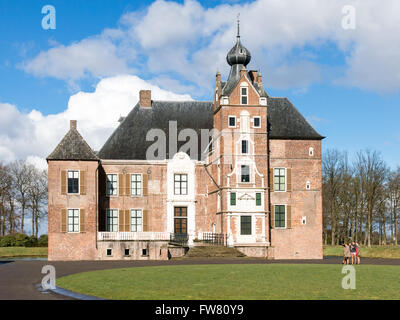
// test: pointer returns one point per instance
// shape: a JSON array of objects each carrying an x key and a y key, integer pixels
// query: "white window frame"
[
  {"x": 240, "y": 176},
  {"x": 273, "y": 180},
  {"x": 79, "y": 220},
  {"x": 244, "y": 95},
  {"x": 131, "y": 219},
  {"x": 187, "y": 184},
  {"x": 285, "y": 227},
  {"x": 107, "y": 225},
  {"x": 116, "y": 194},
  {"x": 229, "y": 117},
  {"x": 141, "y": 185},
  {"x": 79, "y": 181},
  {"x": 247, "y": 147},
  {"x": 254, "y": 126}
]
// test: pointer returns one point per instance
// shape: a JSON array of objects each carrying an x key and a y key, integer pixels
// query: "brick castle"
[{"x": 253, "y": 180}]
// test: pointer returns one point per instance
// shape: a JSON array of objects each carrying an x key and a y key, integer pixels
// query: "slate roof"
[
  {"x": 286, "y": 122},
  {"x": 73, "y": 147},
  {"x": 129, "y": 140}
]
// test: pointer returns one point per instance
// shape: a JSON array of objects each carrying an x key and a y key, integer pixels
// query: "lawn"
[
  {"x": 234, "y": 281},
  {"x": 8, "y": 252},
  {"x": 390, "y": 252}
]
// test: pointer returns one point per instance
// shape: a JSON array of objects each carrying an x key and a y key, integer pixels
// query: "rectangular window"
[
  {"x": 279, "y": 179},
  {"x": 245, "y": 225},
  {"x": 112, "y": 220},
  {"x": 257, "y": 122},
  {"x": 233, "y": 198},
  {"x": 180, "y": 184},
  {"x": 243, "y": 92},
  {"x": 112, "y": 185},
  {"x": 136, "y": 184},
  {"x": 73, "y": 220},
  {"x": 232, "y": 122},
  {"x": 258, "y": 199},
  {"x": 280, "y": 221},
  {"x": 127, "y": 252},
  {"x": 73, "y": 181},
  {"x": 136, "y": 220},
  {"x": 245, "y": 177},
  {"x": 180, "y": 220},
  {"x": 245, "y": 146}
]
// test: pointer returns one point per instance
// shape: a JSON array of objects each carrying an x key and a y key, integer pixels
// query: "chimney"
[
  {"x": 243, "y": 72},
  {"x": 259, "y": 77},
  {"x": 218, "y": 76},
  {"x": 145, "y": 98},
  {"x": 72, "y": 124},
  {"x": 253, "y": 75}
]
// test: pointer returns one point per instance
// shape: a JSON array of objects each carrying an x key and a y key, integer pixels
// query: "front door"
[{"x": 180, "y": 220}]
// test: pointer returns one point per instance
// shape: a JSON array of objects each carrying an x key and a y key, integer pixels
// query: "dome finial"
[{"x": 238, "y": 25}]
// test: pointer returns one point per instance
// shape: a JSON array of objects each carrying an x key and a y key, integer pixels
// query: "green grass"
[
  {"x": 13, "y": 252},
  {"x": 234, "y": 281},
  {"x": 390, "y": 252}
]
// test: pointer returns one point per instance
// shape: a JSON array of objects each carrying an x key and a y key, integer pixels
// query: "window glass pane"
[
  {"x": 232, "y": 121},
  {"x": 244, "y": 146},
  {"x": 280, "y": 216},
  {"x": 245, "y": 174},
  {"x": 244, "y": 91},
  {"x": 233, "y": 198},
  {"x": 256, "y": 122},
  {"x": 245, "y": 225},
  {"x": 258, "y": 199},
  {"x": 244, "y": 100}
]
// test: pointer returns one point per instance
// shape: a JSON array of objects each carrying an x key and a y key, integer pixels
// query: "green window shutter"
[
  {"x": 233, "y": 198},
  {"x": 258, "y": 199}
]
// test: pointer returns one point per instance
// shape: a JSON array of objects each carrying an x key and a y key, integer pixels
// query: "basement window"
[
  {"x": 145, "y": 252},
  {"x": 109, "y": 252},
  {"x": 127, "y": 252}
]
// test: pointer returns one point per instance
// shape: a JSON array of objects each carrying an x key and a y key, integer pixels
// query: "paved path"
[{"x": 18, "y": 279}]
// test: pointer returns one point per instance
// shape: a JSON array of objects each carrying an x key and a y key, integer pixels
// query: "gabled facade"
[{"x": 253, "y": 176}]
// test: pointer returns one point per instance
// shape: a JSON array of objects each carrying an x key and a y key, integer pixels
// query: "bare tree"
[
  {"x": 393, "y": 191},
  {"x": 22, "y": 176},
  {"x": 37, "y": 196}
]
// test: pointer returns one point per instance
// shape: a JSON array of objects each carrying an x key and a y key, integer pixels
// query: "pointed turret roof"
[{"x": 73, "y": 147}]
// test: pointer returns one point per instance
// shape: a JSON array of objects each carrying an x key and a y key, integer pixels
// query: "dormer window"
[{"x": 243, "y": 95}]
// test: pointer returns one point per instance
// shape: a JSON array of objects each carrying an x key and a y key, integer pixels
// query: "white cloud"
[
  {"x": 33, "y": 136},
  {"x": 189, "y": 42}
]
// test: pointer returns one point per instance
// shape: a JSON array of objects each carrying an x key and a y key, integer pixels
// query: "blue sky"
[{"x": 346, "y": 82}]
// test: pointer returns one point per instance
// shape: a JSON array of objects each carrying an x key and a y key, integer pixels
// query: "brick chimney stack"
[
  {"x": 145, "y": 98},
  {"x": 72, "y": 124}
]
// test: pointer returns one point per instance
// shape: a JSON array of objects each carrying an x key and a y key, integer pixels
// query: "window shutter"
[
  {"x": 271, "y": 179},
  {"x": 145, "y": 220},
  {"x": 121, "y": 223},
  {"x": 272, "y": 213},
  {"x": 289, "y": 216},
  {"x": 82, "y": 227},
  {"x": 63, "y": 220},
  {"x": 127, "y": 185},
  {"x": 289, "y": 179},
  {"x": 63, "y": 182},
  {"x": 82, "y": 182},
  {"x": 121, "y": 184},
  {"x": 233, "y": 198},
  {"x": 145, "y": 184},
  {"x": 127, "y": 221}
]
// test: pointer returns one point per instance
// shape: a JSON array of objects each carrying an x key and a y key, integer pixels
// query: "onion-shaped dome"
[{"x": 238, "y": 54}]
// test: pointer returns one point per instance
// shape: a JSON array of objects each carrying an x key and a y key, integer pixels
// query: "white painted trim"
[
  {"x": 79, "y": 182},
  {"x": 258, "y": 117},
  {"x": 232, "y": 116},
  {"x": 79, "y": 220},
  {"x": 273, "y": 179},
  {"x": 112, "y": 195},
  {"x": 281, "y": 228}
]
